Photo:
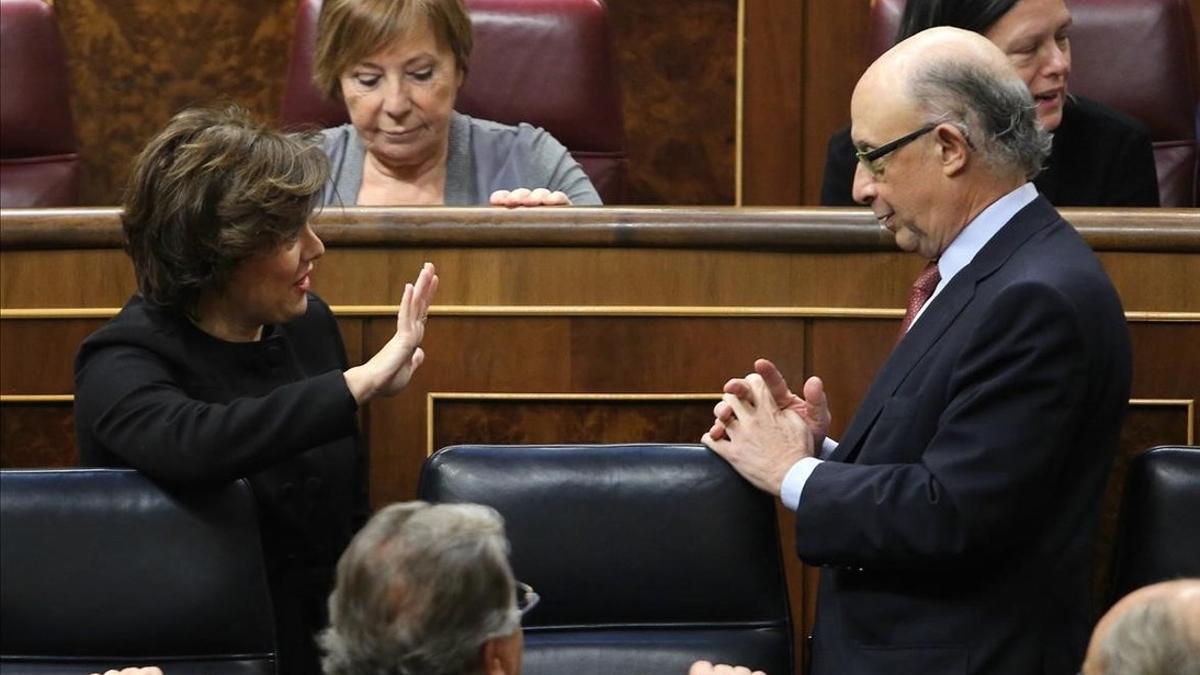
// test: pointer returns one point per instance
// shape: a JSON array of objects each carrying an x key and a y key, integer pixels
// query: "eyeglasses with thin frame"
[
  {"x": 527, "y": 598},
  {"x": 869, "y": 158}
]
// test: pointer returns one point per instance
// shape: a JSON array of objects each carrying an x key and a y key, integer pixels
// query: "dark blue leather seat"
[
  {"x": 101, "y": 568},
  {"x": 1158, "y": 537},
  {"x": 646, "y": 557}
]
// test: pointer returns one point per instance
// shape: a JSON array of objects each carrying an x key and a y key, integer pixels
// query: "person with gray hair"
[
  {"x": 1154, "y": 630},
  {"x": 426, "y": 589},
  {"x": 955, "y": 519}
]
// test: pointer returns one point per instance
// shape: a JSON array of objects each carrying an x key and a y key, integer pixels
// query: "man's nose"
[{"x": 864, "y": 185}]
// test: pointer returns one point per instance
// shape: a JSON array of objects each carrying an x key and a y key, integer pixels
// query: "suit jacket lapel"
[{"x": 941, "y": 313}]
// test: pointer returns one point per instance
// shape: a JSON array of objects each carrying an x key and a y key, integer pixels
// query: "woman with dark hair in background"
[
  {"x": 1100, "y": 157},
  {"x": 398, "y": 66},
  {"x": 225, "y": 365}
]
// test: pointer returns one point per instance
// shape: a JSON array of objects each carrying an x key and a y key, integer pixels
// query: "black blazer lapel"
[{"x": 941, "y": 313}]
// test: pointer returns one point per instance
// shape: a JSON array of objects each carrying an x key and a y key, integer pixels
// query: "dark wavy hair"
[
  {"x": 213, "y": 188},
  {"x": 973, "y": 15}
]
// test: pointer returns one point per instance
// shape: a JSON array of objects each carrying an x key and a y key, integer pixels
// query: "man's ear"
[
  {"x": 493, "y": 657},
  {"x": 954, "y": 151}
]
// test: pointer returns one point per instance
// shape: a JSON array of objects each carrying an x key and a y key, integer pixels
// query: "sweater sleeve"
[
  {"x": 551, "y": 158},
  {"x": 138, "y": 411}
]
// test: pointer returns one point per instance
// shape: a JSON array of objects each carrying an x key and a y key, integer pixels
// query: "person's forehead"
[
  {"x": 1030, "y": 18},
  {"x": 877, "y": 109}
]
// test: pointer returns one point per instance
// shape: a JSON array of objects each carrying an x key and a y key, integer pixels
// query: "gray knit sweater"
[{"x": 483, "y": 157}]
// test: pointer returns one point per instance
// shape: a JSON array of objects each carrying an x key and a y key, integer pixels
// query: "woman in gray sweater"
[{"x": 398, "y": 66}]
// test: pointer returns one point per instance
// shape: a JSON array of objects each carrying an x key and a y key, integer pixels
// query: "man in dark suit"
[{"x": 955, "y": 518}]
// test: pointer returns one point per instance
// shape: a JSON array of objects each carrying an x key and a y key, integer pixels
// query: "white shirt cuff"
[
  {"x": 794, "y": 480},
  {"x": 827, "y": 447}
]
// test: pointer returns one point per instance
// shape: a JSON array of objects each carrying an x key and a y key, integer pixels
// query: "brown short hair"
[
  {"x": 348, "y": 31},
  {"x": 213, "y": 188}
]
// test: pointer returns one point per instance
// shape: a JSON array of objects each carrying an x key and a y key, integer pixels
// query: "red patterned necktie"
[{"x": 922, "y": 288}]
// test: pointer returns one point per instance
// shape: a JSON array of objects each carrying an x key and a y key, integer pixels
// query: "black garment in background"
[
  {"x": 155, "y": 393},
  {"x": 1100, "y": 157}
]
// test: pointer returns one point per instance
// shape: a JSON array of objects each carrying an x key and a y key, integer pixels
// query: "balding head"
[
  {"x": 937, "y": 45},
  {"x": 962, "y": 77},
  {"x": 944, "y": 127},
  {"x": 1154, "y": 630}
]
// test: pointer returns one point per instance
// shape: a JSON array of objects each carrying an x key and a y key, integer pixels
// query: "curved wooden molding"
[{"x": 732, "y": 228}]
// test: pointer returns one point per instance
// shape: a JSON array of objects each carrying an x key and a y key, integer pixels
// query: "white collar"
[{"x": 971, "y": 240}]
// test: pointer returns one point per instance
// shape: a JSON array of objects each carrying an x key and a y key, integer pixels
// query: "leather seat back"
[
  {"x": 102, "y": 568},
  {"x": 646, "y": 557},
  {"x": 39, "y": 155}
]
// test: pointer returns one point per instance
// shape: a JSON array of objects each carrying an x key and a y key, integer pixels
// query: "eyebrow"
[{"x": 407, "y": 62}]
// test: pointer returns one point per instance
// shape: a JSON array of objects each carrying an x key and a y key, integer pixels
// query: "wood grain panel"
[
  {"x": 834, "y": 59},
  {"x": 846, "y": 354},
  {"x": 1166, "y": 360},
  {"x": 516, "y": 421},
  {"x": 66, "y": 278},
  {"x": 630, "y": 354},
  {"x": 38, "y": 356},
  {"x": 135, "y": 63},
  {"x": 553, "y": 355},
  {"x": 1154, "y": 281},
  {"x": 37, "y": 435},
  {"x": 677, "y": 60},
  {"x": 773, "y": 144}
]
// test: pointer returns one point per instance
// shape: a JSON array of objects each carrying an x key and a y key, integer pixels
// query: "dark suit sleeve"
[
  {"x": 992, "y": 463},
  {"x": 838, "y": 180},
  {"x": 153, "y": 425}
]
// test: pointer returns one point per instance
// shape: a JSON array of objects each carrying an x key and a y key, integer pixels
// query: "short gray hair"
[
  {"x": 999, "y": 110},
  {"x": 419, "y": 590},
  {"x": 1150, "y": 639}
]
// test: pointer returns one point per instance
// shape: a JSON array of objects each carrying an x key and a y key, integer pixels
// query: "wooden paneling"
[
  {"x": 677, "y": 66},
  {"x": 833, "y": 61},
  {"x": 38, "y": 356},
  {"x": 773, "y": 103},
  {"x": 40, "y": 435},
  {"x": 512, "y": 419},
  {"x": 846, "y": 354},
  {"x": 135, "y": 63},
  {"x": 1166, "y": 358}
]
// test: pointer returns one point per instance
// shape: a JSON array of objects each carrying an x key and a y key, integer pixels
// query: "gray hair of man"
[
  {"x": 996, "y": 113},
  {"x": 1150, "y": 639},
  {"x": 419, "y": 590}
]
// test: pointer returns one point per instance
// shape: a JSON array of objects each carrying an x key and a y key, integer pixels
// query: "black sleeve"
[
  {"x": 1134, "y": 176},
  {"x": 838, "y": 180},
  {"x": 140, "y": 413}
]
